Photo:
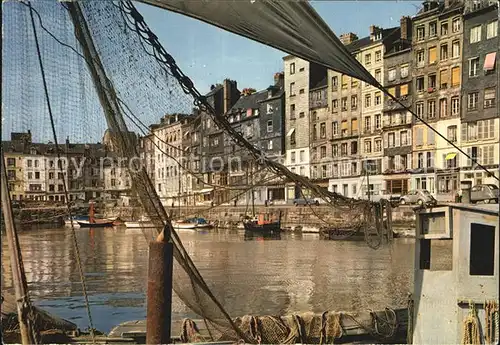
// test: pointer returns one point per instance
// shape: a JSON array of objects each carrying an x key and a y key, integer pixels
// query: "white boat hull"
[
  {"x": 190, "y": 226},
  {"x": 139, "y": 225},
  {"x": 68, "y": 223}
]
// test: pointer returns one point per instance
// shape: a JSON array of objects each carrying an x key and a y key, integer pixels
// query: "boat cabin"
[
  {"x": 265, "y": 218},
  {"x": 456, "y": 274}
]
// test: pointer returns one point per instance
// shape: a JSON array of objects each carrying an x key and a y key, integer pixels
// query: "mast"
[
  {"x": 253, "y": 197},
  {"x": 91, "y": 212},
  {"x": 19, "y": 279}
]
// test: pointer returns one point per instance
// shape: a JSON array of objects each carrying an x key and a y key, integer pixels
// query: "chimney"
[
  {"x": 348, "y": 38},
  {"x": 405, "y": 24},
  {"x": 279, "y": 79},
  {"x": 227, "y": 95},
  {"x": 374, "y": 30}
]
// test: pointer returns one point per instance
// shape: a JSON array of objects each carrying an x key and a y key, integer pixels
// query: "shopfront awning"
[
  {"x": 290, "y": 132},
  {"x": 450, "y": 156},
  {"x": 206, "y": 190},
  {"x": 489, "y": 61}
]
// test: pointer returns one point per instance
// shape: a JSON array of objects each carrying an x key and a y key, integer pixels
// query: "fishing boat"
[
  {"x": 264, "y": 223},
  {"x": 92, "y": 222},
  {"x": 196, "y": 223}
]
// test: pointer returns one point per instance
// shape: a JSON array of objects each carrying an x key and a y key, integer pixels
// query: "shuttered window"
[
  {"x": 430, "y": 137},
  {"x": 392, "y": 91},
  {"x": 455, "y": 76},
  {"x": 443, "y": 79},
  {"x": 344, "y": 124},
  {"x": 404, "y": 90},
  {"x": 420, "y": 137},
  {"x": 344, "y": 81},
  {"x": 432, "y": 55},
  {"x": 354, "y": 124}
]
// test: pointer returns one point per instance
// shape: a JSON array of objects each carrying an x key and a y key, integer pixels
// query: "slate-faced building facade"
[
  {"x": 397, "y": 121},
  {"x": 480, "y": 110}
]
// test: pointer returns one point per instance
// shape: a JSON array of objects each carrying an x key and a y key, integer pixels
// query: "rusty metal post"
[{"x": 159, "y": 302}]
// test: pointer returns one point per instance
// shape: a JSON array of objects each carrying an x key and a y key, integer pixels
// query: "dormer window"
[{"x": 33, "y": 151}]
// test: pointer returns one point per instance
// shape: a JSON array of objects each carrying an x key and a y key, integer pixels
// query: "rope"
[
  {"x": 471, "y": 327},
  {"x": 49, "y": 108},
  {"x": 491, "y": 322}
]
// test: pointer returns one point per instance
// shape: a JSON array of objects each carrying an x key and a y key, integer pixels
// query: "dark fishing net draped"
[{"x": 104, "y": 73}]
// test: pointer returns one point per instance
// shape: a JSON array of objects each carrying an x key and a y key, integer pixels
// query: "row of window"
[
  {"x": 432, "y": 58},
  {"x": 429, "y": 112},
  {"x": 403, "y": 72},
  {"x": 480, "y": 130},
  {"x": 368, "y": 57},
  {"x": 491, "y": 31},
  {"x": 456, "y": 26},
  {"x": 488, "y": 65},
  {"x": 444, "y": 79}
]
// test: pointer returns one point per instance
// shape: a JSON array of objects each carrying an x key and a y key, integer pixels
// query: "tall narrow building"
[
  {"x": 480, "y": 110},
  {"x": 300, "y": 77},
  {"x": 437, "y": 48},
  {"x": 397, "y": 121}
]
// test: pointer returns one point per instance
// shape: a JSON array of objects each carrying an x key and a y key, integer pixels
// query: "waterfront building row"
[{"x": 89, "y": 171}]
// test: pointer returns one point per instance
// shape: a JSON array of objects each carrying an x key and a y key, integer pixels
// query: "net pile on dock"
[{"x": 306, "y": 328}]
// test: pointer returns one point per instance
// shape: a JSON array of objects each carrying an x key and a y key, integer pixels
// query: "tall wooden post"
[
  {"x": 159, "y": 302},
  {"x": 18, "y": 277}
]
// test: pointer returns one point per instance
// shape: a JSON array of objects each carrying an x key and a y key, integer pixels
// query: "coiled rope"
[
  {"x": 491, "y": 322},
  {"x": 471, "y": 327}
]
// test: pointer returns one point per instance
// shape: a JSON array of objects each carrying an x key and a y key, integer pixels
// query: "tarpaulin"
[{"x": 288, "y": 25}]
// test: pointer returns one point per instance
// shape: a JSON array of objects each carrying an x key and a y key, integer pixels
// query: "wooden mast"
[{"x": 18, "y": 277}]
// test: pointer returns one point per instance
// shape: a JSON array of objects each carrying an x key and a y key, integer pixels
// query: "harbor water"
[{"x": 257, "y": 276}]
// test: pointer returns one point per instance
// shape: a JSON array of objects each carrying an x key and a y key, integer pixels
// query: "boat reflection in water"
[{"x": 259, "y": 236}]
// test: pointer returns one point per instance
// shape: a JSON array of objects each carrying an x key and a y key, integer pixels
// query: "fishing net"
[{"x": 105, "y": 72}]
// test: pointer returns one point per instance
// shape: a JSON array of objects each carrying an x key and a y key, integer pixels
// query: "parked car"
[
  {"x": 379, "y": 195},
  {"x": 484, "y": 192},
  {"x": 418, "y": 196},
  {"x": 306, "y": 201}
]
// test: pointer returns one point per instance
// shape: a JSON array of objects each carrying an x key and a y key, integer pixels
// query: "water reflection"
[{"x": 249, "y": 274}]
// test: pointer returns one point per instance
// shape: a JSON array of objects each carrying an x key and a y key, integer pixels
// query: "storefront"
[
  {"x": 276, "y": 193},
  {"x": 448, "y": 184},
  {"x": 424, "y": 181},
  {"x": 397, "y": 184}
]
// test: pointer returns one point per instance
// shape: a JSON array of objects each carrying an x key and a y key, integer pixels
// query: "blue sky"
[{"x": 208, "y": 54}]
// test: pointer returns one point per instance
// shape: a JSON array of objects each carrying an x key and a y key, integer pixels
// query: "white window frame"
[
  {"x": 472, "y": 100},
  {"x": 475, "y": 34},
  {"x": 455, "y": 105},
  {"x": 474, "y": 66},
  {"x": 392, "y": 74},
  {"x": 492, "y": 29}
]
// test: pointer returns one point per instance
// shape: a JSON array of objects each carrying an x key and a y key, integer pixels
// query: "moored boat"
[
  {"x": 97, "y": 223},
  {"x": 192, "y": 224},
  {"x": 143, "y": 222},
  {"x": 74, "y": 220},
  {"x": 94, "y": 223},
  {"x": 263, "y": 223}
]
